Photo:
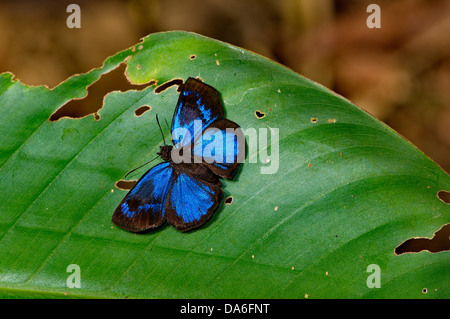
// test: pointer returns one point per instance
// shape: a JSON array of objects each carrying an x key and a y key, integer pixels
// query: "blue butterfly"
[{"x": 185, "y": 189}]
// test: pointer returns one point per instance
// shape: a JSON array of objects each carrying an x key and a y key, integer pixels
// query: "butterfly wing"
[
  {"x": 191, "y": 201},
  {"x": 197, "y": 103},
  {"x": 221, "y": 148},
  {"x": 144, "y": 205}
]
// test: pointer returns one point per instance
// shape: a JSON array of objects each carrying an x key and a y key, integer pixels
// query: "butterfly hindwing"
[
  {"x": 197, "y": 102},
  {"x": 219, "y": 148},
  {"x": 143, "y": 206},
  {"x": 191, "y": 201}
]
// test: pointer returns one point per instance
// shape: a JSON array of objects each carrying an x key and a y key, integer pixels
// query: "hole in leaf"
[
  {"x": 142, "y": 109},
  {"x": 125, "y": 185},
  {"x": 259, "y": 114},
  {"x": 193, "y": 57},
  {"x": 228, "y": 200},
  {"x": 314, "y": 119},
  {"x": 114, "y": 80},
  {"x": 444, "y": 196},
  {"x": 168, "y": 84},
  {"x": 439, "y": 242}
]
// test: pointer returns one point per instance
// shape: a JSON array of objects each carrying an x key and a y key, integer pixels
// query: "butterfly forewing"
[
  {"x": 144, "y": 205},
  {"x": 197, "y": 103}
]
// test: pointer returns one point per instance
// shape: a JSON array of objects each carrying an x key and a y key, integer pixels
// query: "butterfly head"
[{"x": 165, "y": 151}]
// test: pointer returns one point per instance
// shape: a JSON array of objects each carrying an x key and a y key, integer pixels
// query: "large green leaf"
[{"x": 347, "y": 192}]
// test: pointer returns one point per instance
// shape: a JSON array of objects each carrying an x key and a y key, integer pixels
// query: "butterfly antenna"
[
  {"x": 157, "y": 120},
  {"x": 140, "y": 166}
]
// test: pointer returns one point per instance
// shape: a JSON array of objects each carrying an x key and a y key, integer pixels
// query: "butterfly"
[{"x": 185, "y": 189}]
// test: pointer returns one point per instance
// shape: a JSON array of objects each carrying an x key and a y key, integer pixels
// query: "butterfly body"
[
  {"x": 164, "y": 152},
  {"x": 186, "y": 193}
]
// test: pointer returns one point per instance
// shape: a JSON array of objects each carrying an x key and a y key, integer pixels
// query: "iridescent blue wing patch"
[
  {"x": 144, "y": 205},
  {"x": 220, "y": 149},
  {"x": 197, "y": 103},
  {"x": 191, "y": 201}
]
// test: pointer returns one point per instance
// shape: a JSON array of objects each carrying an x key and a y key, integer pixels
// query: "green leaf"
[{"x": 347, "y": 192}]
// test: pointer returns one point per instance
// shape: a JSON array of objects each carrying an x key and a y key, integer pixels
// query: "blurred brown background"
[{"x": 399, "y": 73}]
